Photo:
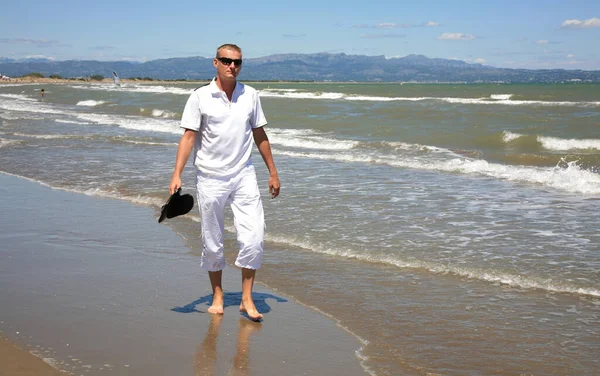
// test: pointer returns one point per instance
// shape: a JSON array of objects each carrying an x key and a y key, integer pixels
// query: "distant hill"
[{"x": 305, "y": 67}]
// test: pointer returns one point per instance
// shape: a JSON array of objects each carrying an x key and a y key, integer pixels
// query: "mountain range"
[{"x": 304, "y": 67}]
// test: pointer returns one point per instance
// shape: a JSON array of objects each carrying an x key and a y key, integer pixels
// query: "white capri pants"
[{"x": 241, "y": 191}]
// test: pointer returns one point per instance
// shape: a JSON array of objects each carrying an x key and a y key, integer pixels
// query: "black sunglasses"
[{"x": 227, "y": 61}]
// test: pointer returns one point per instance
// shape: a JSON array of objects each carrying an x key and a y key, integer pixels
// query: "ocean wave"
[
  {"x": 90, "y": 103},
  {"x": 70, "y": 121},
  {"x": 308, "y": 140},
  {"x": 134, "y": 88},
  {"x": 493, "y": 276},
  {"x": 501, "y": 96},
  {"x": 117, "y": 139},
  {"x": 50, "y": 136},
  {"x": 571, "y": 178},
  {"x": 510, "y": 136},
  {"x": 25, "y": 105},
  {"x": 19, "y": 97},
  {"x": 4, "y": 142},
  {"x": 133, "y": 122},
  {"x": 140, "y": 123},
  {"x": 164, "y": 114},
  {"x": 559, "y": 144},
  {"x": 315, "y": 140},
  {"x": 494, "y": 99}
]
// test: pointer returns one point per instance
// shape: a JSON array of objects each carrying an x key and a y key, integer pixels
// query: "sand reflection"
[{"x": 205, "y": 362}]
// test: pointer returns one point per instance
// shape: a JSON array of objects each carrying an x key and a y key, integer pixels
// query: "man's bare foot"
[
  {"x": 217, "y": 306},
  {"x": 215, "y": 310},
  {"x": 250, "y": 309}
]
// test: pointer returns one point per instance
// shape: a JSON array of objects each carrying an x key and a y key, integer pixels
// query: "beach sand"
[
  {"x": 15, "y": 361},
  {"x": 96, "y": 286}
]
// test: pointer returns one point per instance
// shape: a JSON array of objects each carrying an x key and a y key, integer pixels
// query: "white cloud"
[
  {"x": 581, "y": 24},
  {"x": 387, "y": 25},
  {"x": 102, "y": 48},
  {"x": 456, "y": 36},
  {"x": 393, "y": 25},
  {"x": 570, "y": 56},
  {"x": 36, "y": 42},
  {"x": 541, "y": 41},
  {"x": 390, "y": 25},
  {"x": 480, "y": 61},
  {"x": 382, "y": 36}
]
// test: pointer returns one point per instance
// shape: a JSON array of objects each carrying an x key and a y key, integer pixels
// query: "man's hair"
[{"x": 228, "y": 46}]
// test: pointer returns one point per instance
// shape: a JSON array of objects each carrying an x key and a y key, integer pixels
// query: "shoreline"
[
  {"x": 109, "y": 81},
  {"x": 16, "y": 361},
  {"x": 126, "y": 296}
]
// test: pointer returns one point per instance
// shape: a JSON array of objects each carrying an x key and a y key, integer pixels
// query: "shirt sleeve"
[
  {"x": 192, "y": 116},
  {"x": 259, "y": 119}
]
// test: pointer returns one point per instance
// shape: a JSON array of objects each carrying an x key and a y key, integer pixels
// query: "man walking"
[{"x": 220, "y": 120}]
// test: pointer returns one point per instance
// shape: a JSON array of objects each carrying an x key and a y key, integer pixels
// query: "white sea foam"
[
  {"x": 302, "y": 95},
  {"x": 318, "y": 143},
  {"x": 129, "y": 122},
  {"x": 49, "y": 136},
  {"x": 396, "y": 145},
  {"x": 70, "y": 121},
  {"x": 133, "y": 88},
  {"x": 268, "y": 90},
  {"x": 572, "y": 179},
  {"x": 19, "y": 97},
  {"x": 20, "y": 116},
  {"x": 23, "y": 105},
  {"x": 320, "y": 146},
  {"x": 494, "y": 99},
  {"x": 163, "y": 113},
  {"x": 501, "y": 96},
  {"x": 510, "y": 136},
  {"x": 136, "y": 142},
  {"x": 133, "y": 122},
  {"x": 559, "y": 144},
  {"x": 90, "y": 103},
  {"x": 528, "y": 282},
  {"x": 4, "y": 142}
]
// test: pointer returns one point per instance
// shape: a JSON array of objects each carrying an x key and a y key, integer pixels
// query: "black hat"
[{"x": 176, "y": 205}]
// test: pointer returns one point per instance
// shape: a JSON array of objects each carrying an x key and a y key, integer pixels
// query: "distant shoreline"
[
  {"x": 46, "y": 80},
  {"x": 109, "y": 81}
]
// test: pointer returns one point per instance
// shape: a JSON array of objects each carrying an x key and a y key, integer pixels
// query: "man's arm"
[
  {"x": 183, "y": 153},
  {"x": 264, "y": 147}
]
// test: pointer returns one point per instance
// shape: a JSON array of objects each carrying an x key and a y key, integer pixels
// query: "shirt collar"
[{"x": 214, "y": 89}]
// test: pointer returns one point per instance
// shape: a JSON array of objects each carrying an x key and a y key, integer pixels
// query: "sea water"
[{"x": 452, "y": 228}]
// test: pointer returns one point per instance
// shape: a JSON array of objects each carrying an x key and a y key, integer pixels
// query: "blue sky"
[{"x": 512, "y": 34}]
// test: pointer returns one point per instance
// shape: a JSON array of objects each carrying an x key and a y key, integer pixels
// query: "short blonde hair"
[{"x": 228, "y": 46}]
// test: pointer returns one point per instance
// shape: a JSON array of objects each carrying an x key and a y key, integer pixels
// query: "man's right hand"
[{"x": 175, "y": 184}]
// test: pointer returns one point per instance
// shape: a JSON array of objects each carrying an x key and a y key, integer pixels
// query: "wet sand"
[
  {"x": 97, "y": 286},
  {"x": 15, "y": 361}
]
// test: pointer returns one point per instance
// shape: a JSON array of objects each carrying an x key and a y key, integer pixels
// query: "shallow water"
[{"x": 453, "y": 227}]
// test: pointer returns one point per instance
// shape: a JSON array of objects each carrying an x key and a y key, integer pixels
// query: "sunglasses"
[{"x": 227, "y": 61}]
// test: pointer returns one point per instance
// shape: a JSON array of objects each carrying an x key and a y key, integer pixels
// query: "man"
[{"x": 220, "y": 121}]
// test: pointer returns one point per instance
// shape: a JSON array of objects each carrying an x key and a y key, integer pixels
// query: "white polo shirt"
[{"x": 224, "y": 141}]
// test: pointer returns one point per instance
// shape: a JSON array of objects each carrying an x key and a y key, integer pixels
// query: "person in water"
[
  {"x": 220, "y": 120},
  {"x": 42, "y": 92}
]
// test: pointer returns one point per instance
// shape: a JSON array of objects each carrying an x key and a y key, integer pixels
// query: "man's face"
[{"x": 228, "y": 64}]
